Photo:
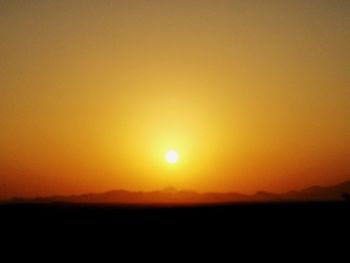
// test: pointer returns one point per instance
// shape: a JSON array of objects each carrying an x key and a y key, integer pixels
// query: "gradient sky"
[{"x": 254, "y": 95}]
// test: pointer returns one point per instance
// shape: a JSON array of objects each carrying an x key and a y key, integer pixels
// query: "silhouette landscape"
[
  {"x": 317, "y": 211},
  {"x": 172, "y": 196}
]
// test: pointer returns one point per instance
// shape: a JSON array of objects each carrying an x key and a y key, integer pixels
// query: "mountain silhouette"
[
  {"x": 317, "y": 193},
  {"x": 170, "y": 195}
]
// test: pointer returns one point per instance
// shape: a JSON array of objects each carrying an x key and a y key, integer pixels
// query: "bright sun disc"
[{"x": 171, "y": 156}]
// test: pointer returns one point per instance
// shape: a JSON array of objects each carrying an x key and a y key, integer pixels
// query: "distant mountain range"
[{"x": 172, "y": 196}]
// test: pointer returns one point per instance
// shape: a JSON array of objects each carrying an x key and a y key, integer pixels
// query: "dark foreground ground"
[
  {"x": 291, "y": 227},
  {"x": 332, "y": 217}
]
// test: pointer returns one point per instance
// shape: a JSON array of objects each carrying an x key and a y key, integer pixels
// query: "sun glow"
[{"x": 171, "y": 156}]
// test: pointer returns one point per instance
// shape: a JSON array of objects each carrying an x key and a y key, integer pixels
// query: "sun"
[{"x": 171, "y": 156}]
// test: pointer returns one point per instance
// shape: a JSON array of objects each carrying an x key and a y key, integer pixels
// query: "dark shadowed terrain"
[
  {"x": 316, "y": 211},
  {"x": 239, "y": 223}
]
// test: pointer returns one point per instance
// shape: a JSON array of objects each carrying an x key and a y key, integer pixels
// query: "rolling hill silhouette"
[{"x": 172, "y": 196}]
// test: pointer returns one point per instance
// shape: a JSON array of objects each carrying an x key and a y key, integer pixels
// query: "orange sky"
[{"x": 252, "y": 94}]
